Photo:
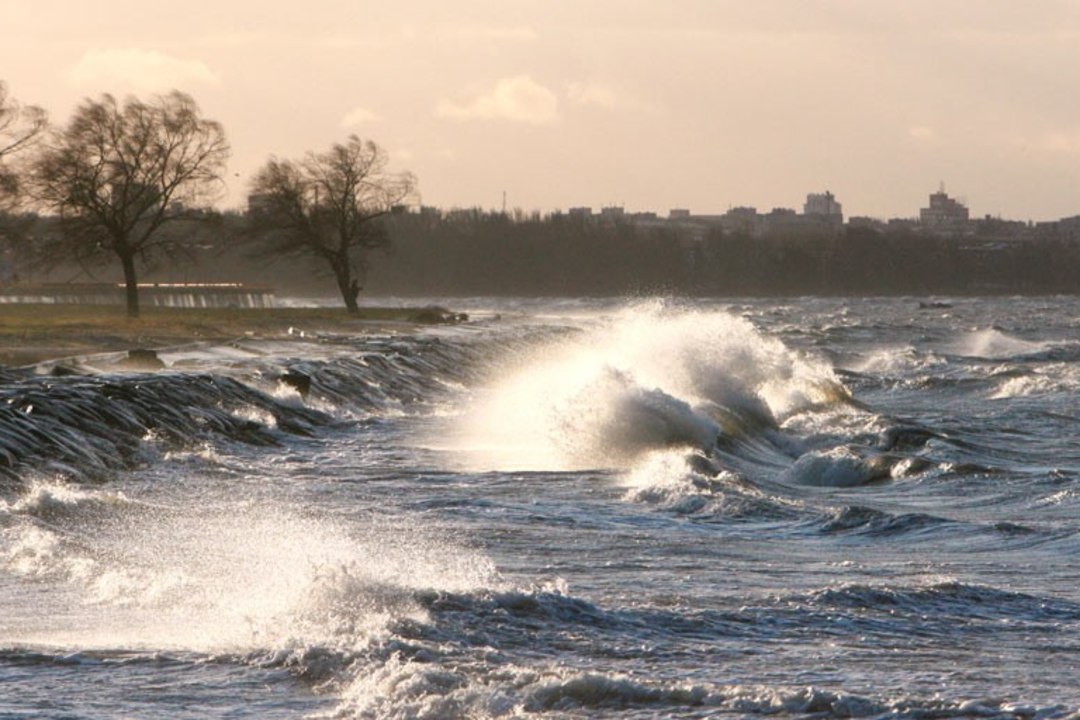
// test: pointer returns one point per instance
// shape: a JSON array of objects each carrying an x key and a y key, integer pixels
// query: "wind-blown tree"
[
  {"x": 329, "y": 206},
  {"x": 117, "y": 174},
  {"x": 20, "y": 127}
]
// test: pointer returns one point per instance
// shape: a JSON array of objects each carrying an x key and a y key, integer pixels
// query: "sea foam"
[{"x": 651, "y": 377}]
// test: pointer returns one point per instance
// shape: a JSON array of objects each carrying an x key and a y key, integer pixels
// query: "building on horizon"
[
  {"x": 782, "y": 222},
  {"x": 823, "y": 206},
  {"x": 612, "y": 212},
  {"x": 945, "y": 214},
  {"x": 741, "y": 221}
]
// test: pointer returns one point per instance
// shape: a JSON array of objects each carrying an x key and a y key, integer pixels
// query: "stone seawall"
[{"x": 224, "y": 295}]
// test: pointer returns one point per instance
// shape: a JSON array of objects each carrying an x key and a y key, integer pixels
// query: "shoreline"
[{"x": 35, "y": 333}]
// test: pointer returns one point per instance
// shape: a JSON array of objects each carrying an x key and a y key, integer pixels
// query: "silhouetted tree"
[
  {"x": 20, "y": 127},
  {"x": 117, "y": 173},
  {"x": 328, "y": 206}
]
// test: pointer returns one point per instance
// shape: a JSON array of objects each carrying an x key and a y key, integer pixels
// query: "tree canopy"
[
  {"x": 118, "y": 172},
  {"x": 328, "y": 205},
  {"x": 20, "y": 127}
]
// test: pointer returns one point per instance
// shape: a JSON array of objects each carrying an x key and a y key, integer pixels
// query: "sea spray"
[
  {"x": 993, "y": 343},
  {"x": 648, "y": 377},
  {"x": 223, "y": 575}
]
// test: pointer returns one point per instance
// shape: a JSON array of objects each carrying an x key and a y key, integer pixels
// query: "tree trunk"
[
  {"x": 349, "y": 287},
  {"x": 131, "y": 285}
]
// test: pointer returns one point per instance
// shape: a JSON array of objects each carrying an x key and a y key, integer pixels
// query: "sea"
[{"x": 577, "y": 508}]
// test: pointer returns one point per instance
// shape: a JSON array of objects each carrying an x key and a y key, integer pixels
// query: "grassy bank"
[{"x": 31, "y": 333}]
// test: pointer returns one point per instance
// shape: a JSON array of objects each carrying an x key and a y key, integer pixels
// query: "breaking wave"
[{"x": 651, "y": 377}]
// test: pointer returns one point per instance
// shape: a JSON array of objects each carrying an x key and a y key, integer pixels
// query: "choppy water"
[{"x": 815, "y": 508}]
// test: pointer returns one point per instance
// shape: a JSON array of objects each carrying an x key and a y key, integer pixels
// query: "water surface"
[{"x": 808, "y": 508}]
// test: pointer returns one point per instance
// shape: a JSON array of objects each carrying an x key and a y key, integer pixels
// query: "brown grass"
[{"x": 31, "y": 333}]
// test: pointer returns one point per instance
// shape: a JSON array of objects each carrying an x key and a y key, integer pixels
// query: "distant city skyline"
[
  {"x": 699, "y": 104},
  {"x": 940, "y": 210}
]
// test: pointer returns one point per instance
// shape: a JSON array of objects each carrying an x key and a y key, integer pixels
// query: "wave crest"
[{"x": 651, "y": 377}]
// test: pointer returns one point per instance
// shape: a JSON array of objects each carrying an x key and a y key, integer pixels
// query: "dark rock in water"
[
  {"x": 934, "y": 305},
  {"x": 297, "y": 381},
  {"x": 701, "y": 464},
  {"x": 435, "y": 315},
  {"x": 906, "y": 437},
  {"x": 143, "y": 359}
]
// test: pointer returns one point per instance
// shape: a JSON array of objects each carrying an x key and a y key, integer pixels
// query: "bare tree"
[
  {"x": 328, "y": 206},
  {"x": 118, "y": 173},
  {"x": 20, "y": 127}
]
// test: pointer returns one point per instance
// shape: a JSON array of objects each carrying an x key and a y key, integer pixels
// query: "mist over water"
[{"x": 829, "y": 508}]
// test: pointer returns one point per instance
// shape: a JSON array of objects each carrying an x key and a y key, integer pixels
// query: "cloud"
[
  {"x": 516, "y": 99},
  {"x": 592, "y": 94},
  {"x": 359, "y": 116},
  {"x": 606, "y": 97},
  {"x": 139, "y": 71}
]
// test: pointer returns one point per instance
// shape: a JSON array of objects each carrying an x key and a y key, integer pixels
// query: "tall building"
[
  {"x": 824, "y": 205},
  {"x": 612, "y": 212},
  {"x": 944, "y": 213}
]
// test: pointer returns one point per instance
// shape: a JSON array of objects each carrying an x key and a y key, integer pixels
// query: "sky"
[{"x": 645, "y": 104}]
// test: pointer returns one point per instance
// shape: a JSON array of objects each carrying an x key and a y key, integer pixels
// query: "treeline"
[
  {"x": 468, "y": 253},
  {"x": 479, "y": 253},
  {"x": 476, "y": 253},
  {"x": 861, "y": 261}
]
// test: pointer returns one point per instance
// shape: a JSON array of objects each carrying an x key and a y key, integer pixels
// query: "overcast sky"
[{"x": 648, "y": 104}]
